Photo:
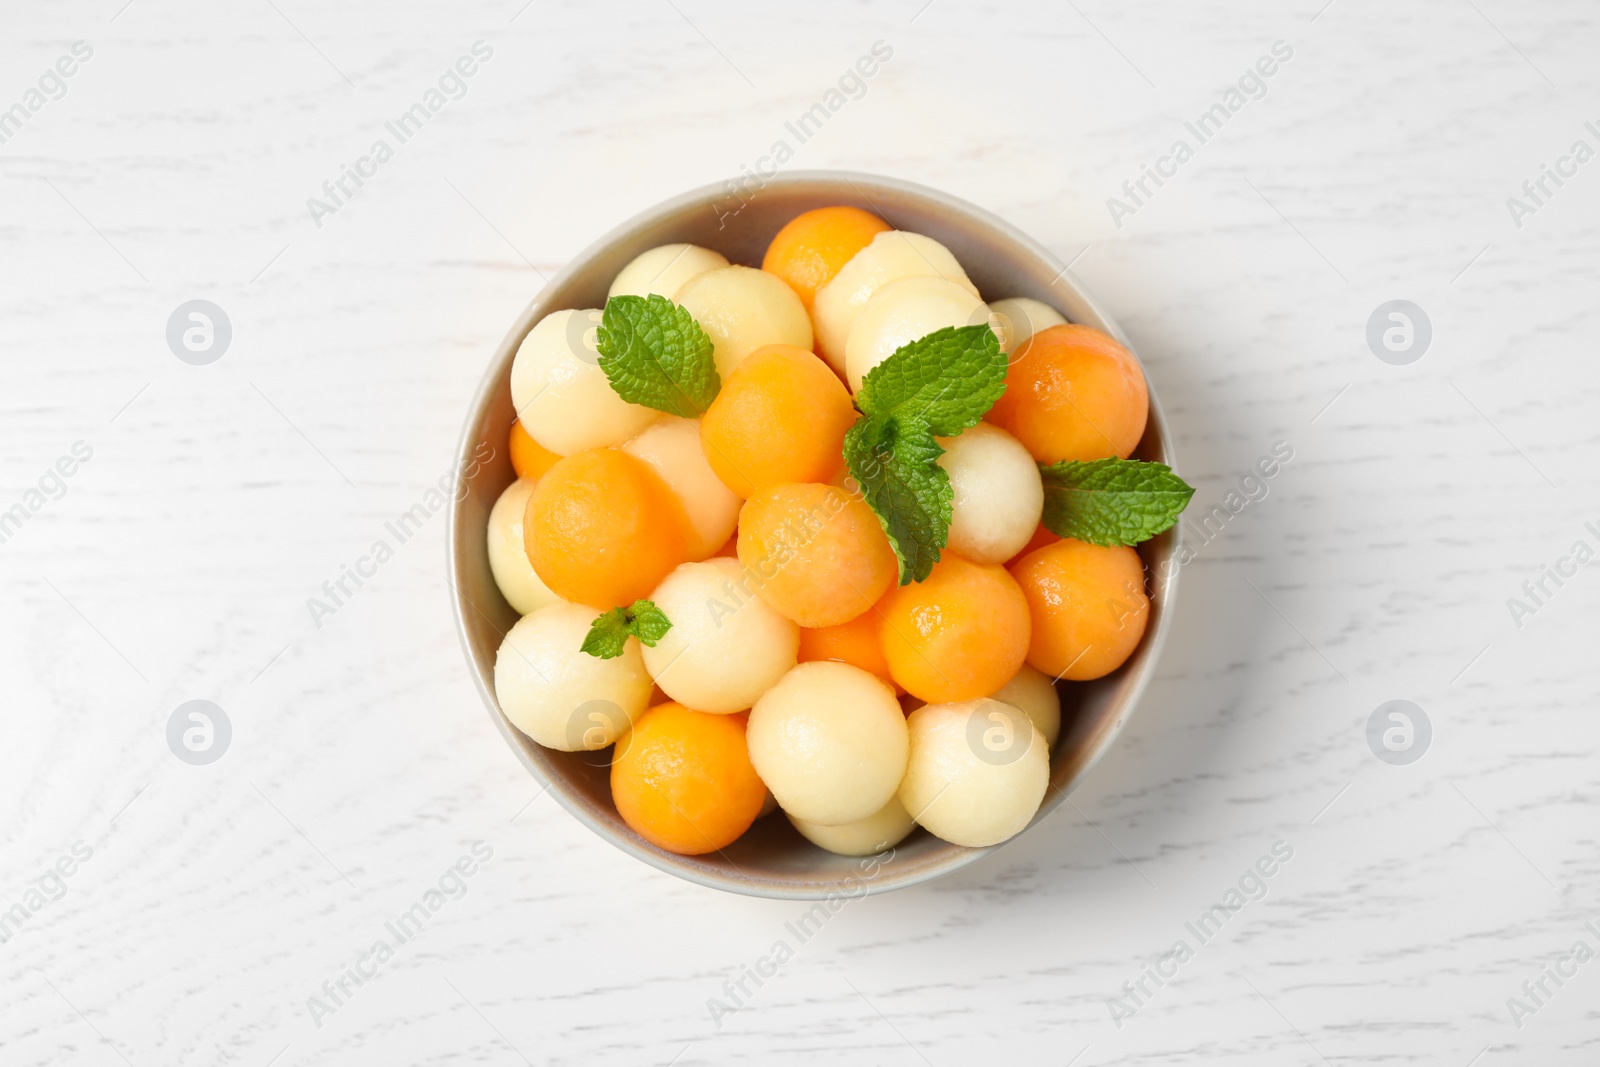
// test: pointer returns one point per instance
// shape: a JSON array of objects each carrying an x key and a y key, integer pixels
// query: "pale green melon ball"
[
  {"x": 562, "y": 397},
  {"x": 663, "y": 270},
  {"x": 559, "y": 696},
  {"x": 977, "y": 771},
  {"x": 901, "y": 312},
  {"x": 508, "y": 555},
  {"x": 1021, "y": 317},
  {"x": 1033, "y": 692},
  {"x": 997, "y": 493},
  {"x": 830, "y": 742},
  {"x": 866, "y": 837},
  {"x": 741, "y": 309}
]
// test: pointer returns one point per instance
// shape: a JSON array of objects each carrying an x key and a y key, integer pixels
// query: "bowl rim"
[{"x": 1155, "y": 636}]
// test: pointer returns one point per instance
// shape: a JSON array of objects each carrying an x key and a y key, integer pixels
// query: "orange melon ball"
[
  {"x": 856, "y": 642},
  {"x": 683, "y": 781},
  {"x": 602, "y": 529},
  {"x": 1088, "y": 606},
  {"x": 815, "y": 553},
  {"x": 781, "y": 416},
  {"x": 1041, "y": 536},
  {"x": 811, "y": 248},
  {"x": 529, "y": 458},
  {"x": 1073, "y": 393},
  {"x": 959, "y": 634}
]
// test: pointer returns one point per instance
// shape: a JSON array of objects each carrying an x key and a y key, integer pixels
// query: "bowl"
[{"x": 772, "y": 859}]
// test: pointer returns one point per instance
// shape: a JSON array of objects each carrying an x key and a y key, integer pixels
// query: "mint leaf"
[
  {"x": 896, "y": 463},
  {"x": 608, "y": 635},
  {"x": 937, "y": 385},
  {"x": 655, "y": 354},
  {"x": 1112, "y": 501},
  {"x": 946, "y": 380}
]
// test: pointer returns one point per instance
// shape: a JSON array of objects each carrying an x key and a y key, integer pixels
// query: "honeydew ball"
[
  {"x": 508, "y": 556},
  {"x": 1033, "y": 692},
  {"x": 663, "y": 270},
  {"x": 830, "y": 742},
  {"x": 741, "y": 309},
  {"x": 562, "y": 397},
  {"x": 892, "y": 255},
  {"x": 998, "y": 495},
  {"x": 901, "y": 312},
  {"x": 563, "y": 698},
  {"x": 1021, "y": 317},
  {"x": 671, "y": 446},
  {"x": 977, "y": 772},
  {"x": 726, "y": 646},
  {"x": 865, "y": 837}
]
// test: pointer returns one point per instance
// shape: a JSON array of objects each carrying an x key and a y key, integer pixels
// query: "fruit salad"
[{"x": 826, "y": 536}]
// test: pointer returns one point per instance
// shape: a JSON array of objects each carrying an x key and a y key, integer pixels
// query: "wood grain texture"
[{"x": 178, "y": 562}]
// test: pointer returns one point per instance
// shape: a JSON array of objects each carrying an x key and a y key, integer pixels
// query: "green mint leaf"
[
  {"x": 946, "y": 380},
  {"x": 1112, "y": 501},
  {"x": 895, "y": 461},
  {"x": 655, "y": 354},
  {"x": 608, "y": 635}
]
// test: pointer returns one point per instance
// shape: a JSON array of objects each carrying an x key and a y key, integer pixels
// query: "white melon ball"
[
  {"x": 726, "y": 646},
  {"x": 663, "y": 270},
  {"x": 866, "y": 837},
  {"x": 901, "y": 312},
  {"x": 830, "y": 742},
  {"x": 998, "y": 494},
  {"x": 741, "y": 309},
  {"x": 892, "y": 255},
  {"x": 1033, "y": 692},
  {"x": 562, "y": 396},
  {"x": 1021, "y": 317},
  {"x": 671, "y": 446},
  {"x": 559, "y": 696},
  {"x": 508, "y": 556},
  {"x": 977, "y": 772}
]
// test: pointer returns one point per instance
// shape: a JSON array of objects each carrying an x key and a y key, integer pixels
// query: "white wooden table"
[{"x": 207, "y": 906}]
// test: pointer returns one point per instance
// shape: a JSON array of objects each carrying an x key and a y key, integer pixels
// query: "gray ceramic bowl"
[{"x": 771, "y": 859}]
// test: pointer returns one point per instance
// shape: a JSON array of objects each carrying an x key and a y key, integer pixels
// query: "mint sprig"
[
  {"x": 936, "y": 386},
  {"x": 655, "y": 354},
  {"x": 1112, "y": 501},
  {"x": 608, "y": 635}
]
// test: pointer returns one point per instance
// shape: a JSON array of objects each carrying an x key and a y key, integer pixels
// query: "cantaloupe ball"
[
  {"x": 1021, "y": 317},
  {"x": 830, "y": 742},
  {"x": 529, "y": 458},
  {"x": 891, "y": 256},
  {"x": 856, "y": 642},
  {"x": 563, "y": 698},
  {"x": 866, "y": 837},
  {"x": 726, "y": 646},
  {"x": 1033, "y": 692},
  {"x": 814, "y": 245},
  {"x": 1088, "y": 607},
  {"x": 1073, "y": 393},
  {"x": 603, "y": 529},
  {"x": 663, "y": 270},
  {"x": 671, "y": 446},
  {"x": 902, "y": 311},
  {"x": 959, "y": 634},
  {"x": 815, "y": 553},
  {"x": 781, "y": 416},
  {"x": 998, "y": 496},
  {"x": 741, "y": 309},
  {"x": 563, "y": 398},
  {"x": 508, "y": 554},
  {"x": 967, "y": 788}
]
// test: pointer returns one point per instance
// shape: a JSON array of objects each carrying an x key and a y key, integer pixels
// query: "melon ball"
[
  {"x": 726, "y": 646},
  {"x": 865, "y": 837},
  {"x": 892, "y": 255},
  {"x": 998, "y": 495},
  {"x": 830, "y": 742},
  {"x": 563, "y": 698},
  {"x": 902, "y": 311},
  {"x": 1034, "y": 692},
  {"x": 977, "y": 772},
  {"x": 1021, "y": 317},
  {"x": 671, "y": 446},
  {"x": 563, "y": 398},
  {"x": 508, "y": 556},
  {"x": 741, "y": 309},
  {"x": 663, "y": 270}
]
